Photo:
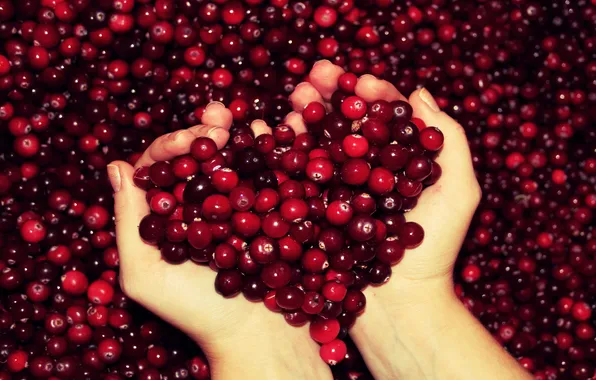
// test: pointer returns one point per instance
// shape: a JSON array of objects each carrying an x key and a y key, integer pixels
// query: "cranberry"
[
  {"x": 74, "y": 282},
  {"x": 333, "y": 352},
  {"x": 431, "y": 138},
  {"x": 390, "y": 251},
  {"x": 152, "y": 229},
  {"x": 289, "y": 297},
  {"x": 33, "y": 231},
  {"x": 276, "y": 275},
  {"x": 334, "y": 291},
  {"x": 203, "y": 148},
  {"x": 353, "y": 107},
  {"x": 411, "y": 234},
  {"x": 100, "y": 292},
  {"x": 163, "y": 203},
  {"x": 362, "y": 228},
  {"x": 313, "y": 112},
  {"x": 229, "y": 282},
  {"x": 339, "y": 213},
  {"x": 324, "y": 330}
]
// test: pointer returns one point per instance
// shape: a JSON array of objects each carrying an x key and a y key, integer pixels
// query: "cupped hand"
[
  {"x": 444, "y": 210},
  {"x": 238, "y": 336},
  {"x": 397, "y": 317}
]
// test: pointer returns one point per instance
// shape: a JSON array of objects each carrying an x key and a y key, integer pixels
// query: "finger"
[
  {"x": 304, "y": 94},
  {"x": 455, "y": 157},
  {"x": 457, "y": 189},
  {"x": 324, "y": 76},
  {"x": 218, "y": 115},
  {"x": 259, "y": 127},
  {"x": 370, "y": 89},
  {"x": 177, "y": 143},
  {"x": 295, "y": 120},
  {"x": 130, "y": 207}
]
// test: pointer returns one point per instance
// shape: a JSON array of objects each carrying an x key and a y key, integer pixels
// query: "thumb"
[{"x": 130, "y": 207}]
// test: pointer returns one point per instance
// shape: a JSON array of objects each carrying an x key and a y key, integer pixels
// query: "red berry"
[
  {"x": 324, "y": 330},
  {"x": 431, "y": 138},
  {"x": 100, "y": 292},
  {"x": 353, "y": 107},
  {"x": 355, "y": 145},
  {"x": 17, "y": 361},
  {"x": 333, "y": 352},
  {"x": 334, "y": 291},
  {"x": 74, "y": 282},
  {"x": 33, "y": 231},
  {"x": 203, "y": 148},
  {"x": 313, "y": 112}
]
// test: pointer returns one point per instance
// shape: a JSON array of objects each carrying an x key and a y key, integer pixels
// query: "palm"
[
  {"x": 444, "y": 210},
  {"x": 183, "y": 294},
  {"x": 187, "y": 290}
]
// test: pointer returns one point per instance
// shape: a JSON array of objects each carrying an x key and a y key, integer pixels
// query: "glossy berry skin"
[
  {"x": 33, "y": 231},
  {"x": 361, "y": 228},
  {"x": 152, "y": 229},
  {"x": 315, "y": 260},
  {"x": 216, "y": 208},
  {"x": 276, "y": 274},
  {"x": 354, "y": 301},
  {"x": 339, "y": 213},
  {"x": 163, "y": 203},
  {"x": 418, "y": 168},
  {"x": 100, "y": 292},
  {"x": 203, "y": 148},
  {"x": 174, "y": 253},
  {"x": 353, "y": 107},
  {"x": 17, "y": 361},
  {"x": 313, "y": 303},
  {"x": 264, "y": 250},
  {"x": 294, "y": 210},
  {"x": 333, "y": 352},
  {"x": 289, "y": 298},
  {"x": 411, "y": 234},
  {"x": 197, "y": 189},
  {"x": 334, "y": 291},
  {"x": 324, "y": 330},
  {"x": 355, "y": 145},
  {"x": 431, "y": 138},
  {"x": 161, "y": 174},
  {"x": 313, "y": 112},
  {"x": 319, "y": 170},
  {"x": 229, "y": 282},
  {"x": 381, "y": 181},
  {"x": 390, "y": 252},
  {"x": 199, "y": 234},
  {"x": 355, "y": 171},
  {"x": 74, "y": 282}
]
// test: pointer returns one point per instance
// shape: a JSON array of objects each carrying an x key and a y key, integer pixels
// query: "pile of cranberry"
[
  {"x": 85, "y": 82},
  {"x": 304, "y": 222}
]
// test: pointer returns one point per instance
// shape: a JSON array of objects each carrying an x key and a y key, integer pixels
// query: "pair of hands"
[{"x": 262, "y": 343}]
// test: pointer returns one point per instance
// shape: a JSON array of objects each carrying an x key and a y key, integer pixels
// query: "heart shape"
[{"x": 312, "y": 218}]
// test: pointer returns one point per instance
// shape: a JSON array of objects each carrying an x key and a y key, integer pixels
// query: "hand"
[
  {"x": 240, "y": 338},
  {"x": 444, "y": 210},
  {"x": 412, "y": 323}
]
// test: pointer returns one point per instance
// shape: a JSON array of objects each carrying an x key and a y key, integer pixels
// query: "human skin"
[{"x": 413, "y": 327}]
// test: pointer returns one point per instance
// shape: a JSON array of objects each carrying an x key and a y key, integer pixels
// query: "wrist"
[
  {"x": 262, "y": 352},
  {"x": 398, "y": 332}
]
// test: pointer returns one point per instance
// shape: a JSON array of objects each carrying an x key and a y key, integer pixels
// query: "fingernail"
[
  {"x": 213, "y": 131},
  {"x": 428, "y": 99},
  {"x": 114, "y": 177},
  {"x": 176, "y": 134},
  {"x": 214, "y": 103},
  {"x": 321, "y": 62}
]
